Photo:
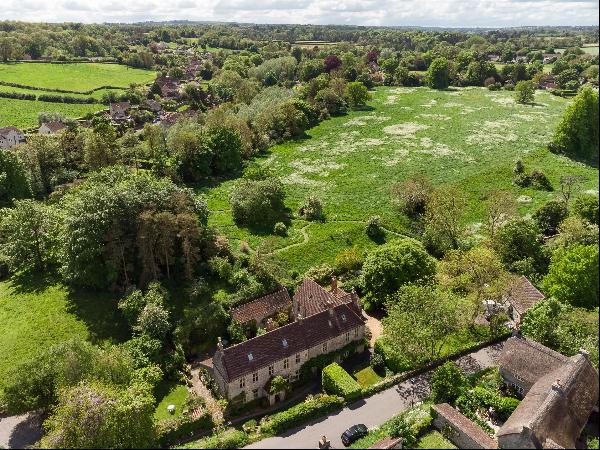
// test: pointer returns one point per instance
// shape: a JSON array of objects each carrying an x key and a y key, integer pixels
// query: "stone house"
[
  {"x": 11, "y": 136},
  {"x": 169, "y": 87},
  {"x": 263, "y": 308},
  {"x": 560, "y": 394},
  {"x": 521, "y": 297},
  {"x": 153, "y": 106},
  {"x": 51, "y": 128},
  {"x": 120, "y": 110},
  {"x": 243, "y": 371}
]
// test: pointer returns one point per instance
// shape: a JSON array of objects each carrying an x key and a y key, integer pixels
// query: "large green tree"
[
  {"x": 14, "y": 183},
  {"x": 29, "y": 235},
  {"x": 421, "y": 319},
  {"x": 393, "y": 265},
  {"x": 577, "y": 132},
  {"x": 438, "y": 74},
  {"x": 573, "y": 276},
  {"x": 114, "y": 233}
]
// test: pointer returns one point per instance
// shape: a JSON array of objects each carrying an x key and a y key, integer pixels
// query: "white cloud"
[{"x": 447, "y": 13}]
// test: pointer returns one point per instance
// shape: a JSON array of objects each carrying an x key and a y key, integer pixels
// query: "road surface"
[{"x": 375, "y": 410}]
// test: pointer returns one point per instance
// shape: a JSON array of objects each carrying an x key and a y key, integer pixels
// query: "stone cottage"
[
  {"x": 560, "y": 394},
  {"x": 263, "y": 308},
  {"x": 11, "y": 136},
  {"x": 326, "y": 322},
  {"x": 521, "y": 297}
]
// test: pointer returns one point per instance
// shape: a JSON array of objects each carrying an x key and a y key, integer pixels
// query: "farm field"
[
  {"x": 24, "y": 113},
  {"x": 41, "y": 315},
  {"x": 468, "y": 137},
  {"x": 590, "y": 49},
  {"x": 77, "y": 77}
]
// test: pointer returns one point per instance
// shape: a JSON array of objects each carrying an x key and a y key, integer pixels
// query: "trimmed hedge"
[
  {"x": 65, "y": 99},
  {"x": 63, "y": 91},
  {"x": 337, "y": 381},
  {"x": 172, "y": 430},
  {"x": 313, "y": 406},
  {"x": 227, "y": 439},
  {"x": 18, "y": 95}
]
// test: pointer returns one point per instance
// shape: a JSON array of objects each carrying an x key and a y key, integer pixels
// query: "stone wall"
[{"x": 460, "y": 429}]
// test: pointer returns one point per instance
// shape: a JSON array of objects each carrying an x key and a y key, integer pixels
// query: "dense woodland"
[{"x": 120, "y": 210}]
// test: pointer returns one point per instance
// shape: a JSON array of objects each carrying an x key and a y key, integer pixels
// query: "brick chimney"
[
  {"x": 356, "y": 300},
  {"x": 334, "y": 284},
  {"x": 219, "y": 344},
  {"x": 584, "y": 352},
  {"x": 557, "y": 386}
]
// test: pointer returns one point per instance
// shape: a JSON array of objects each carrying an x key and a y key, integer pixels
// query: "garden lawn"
[
  {"x": 77, "y": 77},
  {"x": 434, "y": 439},
  {"x": 24, "y": 113},
  {"x": 170, "y": 394},
  {"x": 464, "y": 137},
  {"x": 367, "y": 376},
  {"x": 37, "y": 316}
]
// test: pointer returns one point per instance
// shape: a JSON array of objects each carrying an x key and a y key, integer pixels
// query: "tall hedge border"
[{"x": 337, "y": 381}]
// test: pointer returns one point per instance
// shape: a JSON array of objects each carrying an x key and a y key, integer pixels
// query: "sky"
[{"x": 433, "y": 13}]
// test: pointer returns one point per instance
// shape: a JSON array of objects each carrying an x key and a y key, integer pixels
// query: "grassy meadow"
[
  {"x": 74, "y": 77},
  {"x": 469, "y": 138},
  {"x": 24, "y": 113},
  {"x": 37, "y": 315}
]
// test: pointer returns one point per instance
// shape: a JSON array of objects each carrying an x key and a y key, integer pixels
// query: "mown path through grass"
[{"x": 468, "y": 138}]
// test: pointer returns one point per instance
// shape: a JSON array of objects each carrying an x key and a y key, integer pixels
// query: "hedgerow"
[{"x": 339, "y": 382}]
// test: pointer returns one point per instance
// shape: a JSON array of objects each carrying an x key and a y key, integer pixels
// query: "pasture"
[
  {"x": 37, "y": 315},
  {"x": 24, "y": 113},
  {"x": 78, "y": 77},
  {"x": 469, "y": 138}
]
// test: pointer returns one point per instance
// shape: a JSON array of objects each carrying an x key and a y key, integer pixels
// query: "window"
[
  {"x": 297, "y": 358},
  {"x": 255, "y": 377},
  {"x": 324, "y": 347},
  {"x": 255, "y": 393},
  {"x": 347, "y": 336},
  {"x": 356, "y": 332},
  {"x": 242, "y": 383},
  {"x": 284, "y": 343},
  {"x": 250, "y": 357},
  {"x": 296, "y": 375},
  {"x": 286, "y": 363}
]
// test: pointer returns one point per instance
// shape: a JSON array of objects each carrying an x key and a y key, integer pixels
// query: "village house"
[
  {"x": 169, "y": 87},
  {"x": 52, "y": 128},
  {"x": 326, "y": 322},
  {"x": 153, "y": 106},
  {"x": 256, "y": 312},
  {"x": 11, "y": 136},
  {"x": 119, "y": 111},
  {"x": 560, "y": 394},
  {"x": 521, "y": 297},
  {"x": 549, "y": 58},
  {"x": 493, "y": 57}
]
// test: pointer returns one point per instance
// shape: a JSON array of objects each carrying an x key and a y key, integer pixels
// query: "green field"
[
  {"x": 24, "y": 113},
  {"x": 434, "y": 439},
  {"x": 73, "y": 77},
  {"x": 35, "y": 316},
  {"x": 589, "y": 49},
  {"x": 468, "y": 137}
]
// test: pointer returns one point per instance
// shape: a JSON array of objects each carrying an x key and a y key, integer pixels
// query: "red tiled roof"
[
  {"x": 524, "y": 295},
  {"x": 55, "y": 126},
  {"x": 464, "y": 424},
  {"x": 286, "y": 341},
  {"x": 262, "y": 307},
  {"x": 312, "y": 298}
]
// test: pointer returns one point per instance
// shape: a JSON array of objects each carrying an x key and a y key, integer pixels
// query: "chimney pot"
[{"x": 219, "y": 344}]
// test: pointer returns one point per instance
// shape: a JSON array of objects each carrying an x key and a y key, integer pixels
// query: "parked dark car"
[{"x": 354, "y": 433}]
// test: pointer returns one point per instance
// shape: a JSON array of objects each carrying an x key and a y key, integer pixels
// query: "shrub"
[
  {"x": 337, "y": 381},
  {"x": 373, "y": 227},
  {"x": 280, "y": 229},
  {"x": 173, "y": 429},
  {"x": 550, "y": 216},
  {"x": 586, "y": 207},
  {"x": 394, "y": 359},
  {"x": 349, "y": 260},
  {"x": 313, "y": 406},
  {"x": 376, "y": 361},
  {"x": 540, "y": 181},
  {"x": 522, "y": 180},
  {"x": 321, "y": 274},
  {"x": 312, "y": 208},
  {"x": 250, "y": 426},
  {"x": 257, "y": 202},
  {"x": 525, "y": 92},
  {"x": 398, "y": 428},
  {"x": 447, "y": 383}
]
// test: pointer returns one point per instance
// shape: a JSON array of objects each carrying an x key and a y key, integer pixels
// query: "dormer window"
[
  {"x": 250, "y": 357},
  {"x": 330, "y": 324},
  {"x": 285, "y": 343},
  {"x": 343, "y": 317}
]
